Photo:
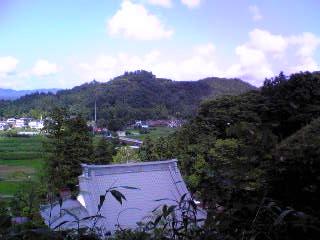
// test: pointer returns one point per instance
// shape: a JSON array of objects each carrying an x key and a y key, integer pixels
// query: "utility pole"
[{"x": 95, "y": 111}]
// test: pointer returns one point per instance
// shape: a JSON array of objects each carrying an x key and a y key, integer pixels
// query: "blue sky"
[{"x": 63, "y": 43}]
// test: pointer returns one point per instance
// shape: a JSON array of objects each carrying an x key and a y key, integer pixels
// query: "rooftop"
[{"x": 147, "y": 182}]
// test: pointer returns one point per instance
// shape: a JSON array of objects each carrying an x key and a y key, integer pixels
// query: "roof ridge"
[{"x": 95, "y": 166}]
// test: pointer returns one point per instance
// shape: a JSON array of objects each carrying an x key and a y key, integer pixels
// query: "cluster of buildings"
[
  {"x": 172, "y": 123},
  {"x": 10, "y": 123}
]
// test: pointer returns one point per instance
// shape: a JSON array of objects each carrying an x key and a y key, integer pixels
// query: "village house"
[
  {"x": 11, "y": 121},
  {"x": 121, "y": 133},
  {"x": 146, "y": 182},
  {"x": 158, "y": 123},
  {"x": 22, "y": 122},
  {"x": 36, "y": 124},
  {"x": 141, "y": 124},
  {"x": 4, "y": 126},
  {"x": 173, "y": 123}
]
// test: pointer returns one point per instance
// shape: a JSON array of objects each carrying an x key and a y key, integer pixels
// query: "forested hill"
[
  {"x": 134, "y": 95},
  {"x": 10, "y": 94},
  {"x": 258, "y": 156}
]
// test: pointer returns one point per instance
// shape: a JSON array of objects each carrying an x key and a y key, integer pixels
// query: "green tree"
[
  {"x": 126, "y": 154},
  {"x": 146, "y": 151},
  {"x": 295, "y": 170},
  {"x": 103, "y": 151},
  {"x": 69, "y": 143},
  {"x": 78, "y": 148}
]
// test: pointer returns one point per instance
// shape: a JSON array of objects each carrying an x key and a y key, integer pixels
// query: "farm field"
[
  {"x": 23, "y": 157},
  {"x": 20, "y": 158},
  {"x": 153, "y": 133}
]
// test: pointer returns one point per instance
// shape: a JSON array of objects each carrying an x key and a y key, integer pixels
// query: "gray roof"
[
  {"x": 68, "y": 212},
  {"x": 153, "y": 180}
]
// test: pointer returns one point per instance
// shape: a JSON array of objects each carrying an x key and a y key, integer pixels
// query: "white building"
[
  {"x": 141, "y": 124},
  {"x": 121, "y": 133},
  {"x": 4, "y": 126},
  {"x": 38, "y": 124},
  {"x": 11, "y": 120},
  {"x": 20, "y": 123}
]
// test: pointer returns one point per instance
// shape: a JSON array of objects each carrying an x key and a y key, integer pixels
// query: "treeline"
[
  {"x": 254, "y": 159},
  {"x": 134, "y": 95}
]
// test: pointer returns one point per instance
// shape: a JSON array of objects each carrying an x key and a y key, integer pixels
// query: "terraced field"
[{"x": 20, "y": 159}]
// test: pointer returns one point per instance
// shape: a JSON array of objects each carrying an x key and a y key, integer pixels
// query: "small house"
[
  {"x": 37, "y": 124},
  {"x": 4, "y": 126},
  {"x": 121, "y": 133},
  {"x": 20, "y": 123}
]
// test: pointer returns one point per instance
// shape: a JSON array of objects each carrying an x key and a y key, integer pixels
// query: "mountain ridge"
[
  {"x": 11, "y": 94},
  {"x": 133, "y": 95}
]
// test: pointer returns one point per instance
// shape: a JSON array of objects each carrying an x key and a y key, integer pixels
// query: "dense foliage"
[
  {"x": 254, "y": 158},
  {"x": 132, "y": 96},
  {"x": 70, "y": 143},
  {"x": 296, "y": 169}
]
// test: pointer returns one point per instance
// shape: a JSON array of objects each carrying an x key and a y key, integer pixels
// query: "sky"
[{"x": 64, "y": 43}]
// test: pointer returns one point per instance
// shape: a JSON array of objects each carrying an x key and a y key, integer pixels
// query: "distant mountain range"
[
  {"x": 10, "y": 94},
  {"x": 134, "y": 95}
]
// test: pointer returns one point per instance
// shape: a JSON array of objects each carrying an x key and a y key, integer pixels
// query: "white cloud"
[
  {"x": 162, "y": 3},
  {"x": 262, "y": 56},
  {"x": 205, "y": 49},
  {"x": 255, "y": 57},
  {"x": 200, "y": 63},
  {"x": 134, "y": 21},
  {"x": 307, "y": 44},
  {"x": 253, "y": 65},
  {"x": 191, "y": 3},
  {"x": 255, "y": 12},
  {"x": 267, "y": 42},
  {"x": 44, "y": 68},
  {"x": 305, "y": 64},
  {"x": 7, "y": 65},
  {"x": 266, "y": 54}
]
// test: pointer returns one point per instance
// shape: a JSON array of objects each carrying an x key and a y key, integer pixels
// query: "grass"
[
  {"x": 33, "y": 163},
  {"x": 9, "y": 188},
  {"x": 20, "y": 157},
  {"x": 153, "y": 133}
]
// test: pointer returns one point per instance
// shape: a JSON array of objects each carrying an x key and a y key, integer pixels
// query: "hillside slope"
[{"x": 136, "y": 95}]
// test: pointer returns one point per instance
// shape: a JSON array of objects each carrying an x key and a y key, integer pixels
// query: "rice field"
[{"x": 20, "y": 159}]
